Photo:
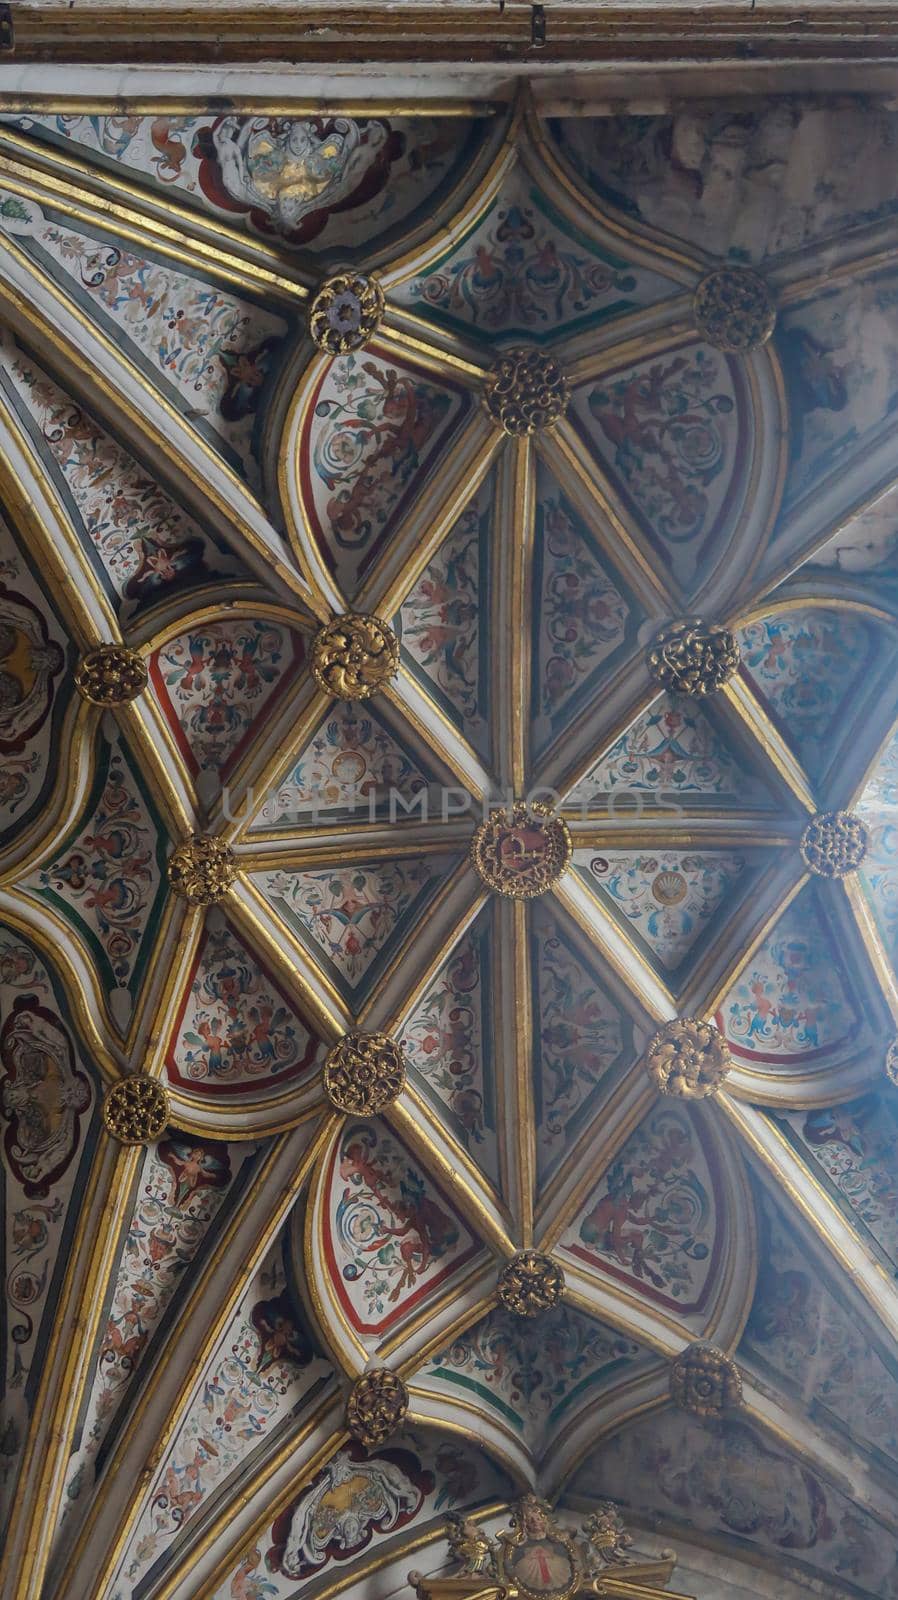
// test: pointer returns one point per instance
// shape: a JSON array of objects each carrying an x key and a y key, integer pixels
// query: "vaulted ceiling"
[{"x": 183, "y": 472}]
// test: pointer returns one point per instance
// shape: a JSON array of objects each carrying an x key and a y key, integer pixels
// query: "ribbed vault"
[{"x": 185, "y": 474}]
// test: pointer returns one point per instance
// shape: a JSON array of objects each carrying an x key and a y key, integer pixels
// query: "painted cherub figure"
[
  {"x": 606, "y": 1541},
  {"x": 472, "y": 1548}
]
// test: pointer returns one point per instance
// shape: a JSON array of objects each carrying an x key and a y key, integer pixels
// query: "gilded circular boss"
[
  {"x": 363, "y": 1073},
  {"x": 530, "y": 1283},
  {"x": 353, "y": 655},
  {"x": 694, "y": 658},
  {"x": 834, "y": 843},
  {"x": 202, "y": 869},
  {"x": 525, "y": 392},
  {"x": 346, "y": 312},
  {"x": 522, "y": 853},
  {"x": 734, "y": 310},
  {"x": 136, "y": 1110},
  {"x": 111, "y": 675},
  {"x": 688, "y": 1059},
  {"x": 377, "y": 1406},
  {"x": 705, "y": 1381}
]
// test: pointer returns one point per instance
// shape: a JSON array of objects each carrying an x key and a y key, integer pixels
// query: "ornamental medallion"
[
  {"x": 530, "y": 1283},
  {"x": 522, "y": 854},
  {"x": 693, "y": 658},
  {"x": 353, "y": 655},
  {"x": 111, "y": 675},
  {"x": 363, "y": 1073},
  {"x": 539, "y": 1558},
  {"x": 834, "y": 843},
  {"x": 536, "y": 1556},
  {"x": 376, "y": 1407},
  {"x": 136, "y": 1110},
  {"x": 525, "y": 392},
  {"x": 734, "y": 310},
  {"x": 202, "y": 869},
  {"x": 891, "y": 1062},
  {"x": 345, "y": 313},
  {"x": 705, "y": 1381},
  {"x": 30, "y": 663},
  {"x": 688, "y": 1059}
]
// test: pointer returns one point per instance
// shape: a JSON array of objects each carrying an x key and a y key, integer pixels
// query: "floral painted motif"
[
  {"x": 263, "y": 1373},
  {"x": 670, "y": 898},
  {"x": 800, "y": 1334},
  {"x": 579, "y": 1034},
  {"x": 748, "y": 180},
  {"x": 840, "y": 359},
  {"x": 371, "y": 439},
  {"x": 107, "y": 881},
  {"x": 523, "y": 269},
  {"x": 439, "y": 624},
  {"x": 651, "y": 1221},
  {"x": 352, "y": 1498},
  {"x": 217, "y": 682},
  {"x": 141, "y": 544},
  {"x": 807, "y": 665},
  {"x": 214, "y": 349},
  {"x": 446, "y": 1041},
  {"x": 671, "y": 749},
  {"x": 853, "y": 1148},
  {"x": 236, "y": 1032},
  {"x": 48, "y": 1099},
  {"x": 392, "y": 1238},
  {"x": 720, "y": 1476},
  {"x": 794, "y": 999},
  {"x": 581, "y": 618},
  {"x": 350, "y": 768},
  {"x": 359, "y": 1499},
  {"x": 667, "y": 431},
  {"x": 183, "y": 1186},
  {"x": 533, "y": 1384},
  {"x": 357, "y": 914}
]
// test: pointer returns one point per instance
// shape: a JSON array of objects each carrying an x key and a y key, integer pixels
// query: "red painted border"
[
  {"x": 402, "y": 1310},
  {"x": 167, "y": 704},
  {"x": 645, "y": 1289}
]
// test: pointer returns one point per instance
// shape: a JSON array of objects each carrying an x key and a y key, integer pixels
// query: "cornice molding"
[{"x": 462, "y": 30}]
